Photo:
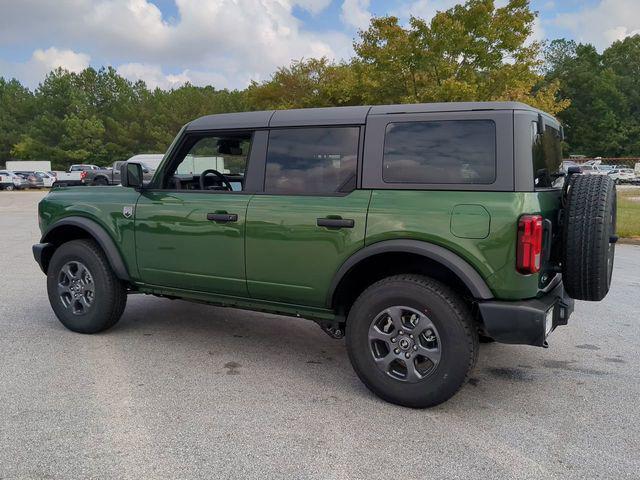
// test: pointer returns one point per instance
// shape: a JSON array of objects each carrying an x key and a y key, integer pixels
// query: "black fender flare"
[
  {"x": 99, "y": 234},
  {"x": 460, "y": 267}
]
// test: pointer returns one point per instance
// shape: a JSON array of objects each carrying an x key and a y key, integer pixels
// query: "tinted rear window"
[
  {"x": 547, "y": 156},
  {"x": 449, "y": 151}
]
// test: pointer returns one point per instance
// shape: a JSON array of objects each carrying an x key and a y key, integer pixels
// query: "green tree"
[
  {"x": 304, "y": 84},
  {"x": 16, "y": 110},
  {"x": 472, "y": 51},
  {"x": 602, "y": 119}
]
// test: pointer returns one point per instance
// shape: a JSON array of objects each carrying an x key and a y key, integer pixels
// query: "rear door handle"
[
  {"x": 222, "y": 217},
  {"x": 335, "y": 222}
]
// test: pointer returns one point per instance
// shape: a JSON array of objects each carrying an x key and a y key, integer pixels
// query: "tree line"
[{"x": 471, "y": 52}]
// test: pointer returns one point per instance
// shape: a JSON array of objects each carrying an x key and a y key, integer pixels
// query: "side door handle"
[
  {"x": 335, "y": 222},
  {"x": 222, "y": 217}
]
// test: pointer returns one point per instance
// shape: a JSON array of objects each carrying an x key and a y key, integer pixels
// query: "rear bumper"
[{"x": 527, "y": 322}]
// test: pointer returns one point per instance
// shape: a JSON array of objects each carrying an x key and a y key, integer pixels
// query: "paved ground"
[{"x": 179, "y": 390}]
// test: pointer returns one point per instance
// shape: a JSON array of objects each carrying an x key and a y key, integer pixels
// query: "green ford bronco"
[{"x": 414, "y": 230}]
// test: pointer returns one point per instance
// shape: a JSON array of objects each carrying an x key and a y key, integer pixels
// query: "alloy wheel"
[
  {"x": 76, "y": 288},
  {"x": 404, "y": 343}
]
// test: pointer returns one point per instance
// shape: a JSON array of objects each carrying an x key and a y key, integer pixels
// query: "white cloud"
[
  {"x": 53, "y": 58},
  {"x": 355, "y": 13},
  {"x": 233, "y": 41},
  {"x": 42, "y": 62},
  {"x": 313, "y": 6},
  {"x": 603, "y": 23},
  {"x": 426, "y": 9},
  {"x": 154, "y": 76}
]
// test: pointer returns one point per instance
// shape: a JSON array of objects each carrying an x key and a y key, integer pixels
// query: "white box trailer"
[
  {"x": 28, "y": 166},
  {"x": 196, "y": 164}
]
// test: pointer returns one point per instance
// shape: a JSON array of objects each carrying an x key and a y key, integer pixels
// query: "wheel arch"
[
  {"x": 100, "y": 178},
  {"x": 73, "y": 228},
  {"x": 396, "y": 256}
]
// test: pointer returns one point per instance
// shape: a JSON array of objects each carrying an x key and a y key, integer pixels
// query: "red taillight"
[
  {"x": 529, "y": 252},
  {"x": 83, "y": 175}
]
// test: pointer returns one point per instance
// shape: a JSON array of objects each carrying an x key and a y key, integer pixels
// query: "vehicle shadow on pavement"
[{"x": 240, "y": 341}]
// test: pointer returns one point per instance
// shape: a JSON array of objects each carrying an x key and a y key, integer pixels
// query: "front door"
[
  {"x": 190, "y": 224},
  {"x": 309, "y": 219}
]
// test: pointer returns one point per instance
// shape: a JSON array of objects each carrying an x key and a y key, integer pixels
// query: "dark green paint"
[
  {"x": 275, "y": 258},
  {"x": 470, "y": 221}
]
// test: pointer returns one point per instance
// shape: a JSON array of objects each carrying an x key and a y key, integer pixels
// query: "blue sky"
[{"x": 228, "y": 43}]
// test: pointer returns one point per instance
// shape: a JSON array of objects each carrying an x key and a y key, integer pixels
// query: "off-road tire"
[
  {"x": 110, "y": 296},
  {"x": 589, "y": 236},
  {"x": 448, "y": 313}
]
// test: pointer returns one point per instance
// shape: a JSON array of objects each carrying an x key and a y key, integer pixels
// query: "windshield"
[
  {"x": 152, "y": 164},
  {"x": 547, "y": 156}
]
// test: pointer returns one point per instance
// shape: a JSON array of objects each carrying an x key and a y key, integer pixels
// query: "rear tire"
[
  {"x": 84, "y": 292},
  {"x": 100, "y": 181},
  {"x": 589, "y": 236},
  {"x": 441, "y": 347}
]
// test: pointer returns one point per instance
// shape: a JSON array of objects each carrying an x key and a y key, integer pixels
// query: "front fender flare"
[
  {"x": 99, "y": 234},
  {"x": 460, "y": 267}
]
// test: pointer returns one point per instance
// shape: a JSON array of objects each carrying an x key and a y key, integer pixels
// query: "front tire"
[
  {"x": 411, "y": 340},
  {"x": 83, "y": 290}
]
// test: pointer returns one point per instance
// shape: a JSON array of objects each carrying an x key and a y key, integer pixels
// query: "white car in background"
[
  {"x": 11, "y": 181},
  {"x": 622, "y": 175}
]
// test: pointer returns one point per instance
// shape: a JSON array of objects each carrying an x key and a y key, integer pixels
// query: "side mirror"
[{"x": 131, "y": 175}]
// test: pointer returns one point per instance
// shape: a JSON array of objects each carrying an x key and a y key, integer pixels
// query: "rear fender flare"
[{"x": 460, "y": 267}]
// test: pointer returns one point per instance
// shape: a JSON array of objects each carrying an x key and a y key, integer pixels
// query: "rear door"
[{"x": 310, "y": 217}]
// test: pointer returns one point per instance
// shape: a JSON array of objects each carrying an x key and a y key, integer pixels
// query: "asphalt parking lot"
[{"x": 180, "y": 390}]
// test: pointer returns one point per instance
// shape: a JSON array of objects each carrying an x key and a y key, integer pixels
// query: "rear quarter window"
[
  {"x": 445, "y": 152},
  {"x": 547, "y": 157}
]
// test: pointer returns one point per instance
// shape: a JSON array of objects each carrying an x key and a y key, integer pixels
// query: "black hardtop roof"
[{"x": 338, "y": 115}]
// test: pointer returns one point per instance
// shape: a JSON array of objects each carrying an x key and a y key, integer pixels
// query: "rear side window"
[
  {"x": 312, "y": 160},
  {"x": 448, "y": 151},
  {"x": 547, "y": 156}
]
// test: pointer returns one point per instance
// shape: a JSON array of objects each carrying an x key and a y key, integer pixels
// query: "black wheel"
[
  {"x": 411, "y": 340},
  {"x": 84, "y": 293},
  {"x": 589, "y": 236},
  {"x": 100, "y": 181},
  {"x": 9, "y": 188}
]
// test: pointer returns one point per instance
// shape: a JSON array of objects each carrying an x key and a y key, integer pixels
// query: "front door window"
[{"x": 211, "y": 163}]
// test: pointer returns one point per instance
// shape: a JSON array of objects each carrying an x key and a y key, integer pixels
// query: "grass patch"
[{"x": 629, "y": 212}]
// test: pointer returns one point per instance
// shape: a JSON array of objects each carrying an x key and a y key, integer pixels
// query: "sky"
[{"x": 228, "y": 43}]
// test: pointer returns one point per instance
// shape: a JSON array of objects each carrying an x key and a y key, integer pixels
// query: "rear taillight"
[{"x": 529, "y": 253}]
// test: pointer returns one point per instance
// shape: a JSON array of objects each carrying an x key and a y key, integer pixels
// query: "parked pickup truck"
[
  {"x": 111, "y": 175},
  {"x": 70, "y": 178}
]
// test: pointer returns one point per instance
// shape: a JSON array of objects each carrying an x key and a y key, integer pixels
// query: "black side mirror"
[{"x": 131, "y": 175}]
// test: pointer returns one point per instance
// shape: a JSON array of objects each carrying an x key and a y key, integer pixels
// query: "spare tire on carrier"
[{"x": 589, "y": 236}]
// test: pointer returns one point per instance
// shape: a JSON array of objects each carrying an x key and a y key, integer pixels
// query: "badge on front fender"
[{"x": 127, "y": 211}]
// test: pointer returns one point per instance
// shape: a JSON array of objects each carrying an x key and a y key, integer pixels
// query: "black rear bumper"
[{"x": 525, "y": 322}]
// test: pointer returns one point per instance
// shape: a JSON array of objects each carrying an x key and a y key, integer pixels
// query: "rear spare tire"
[{"x": 589, "y": 236}]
